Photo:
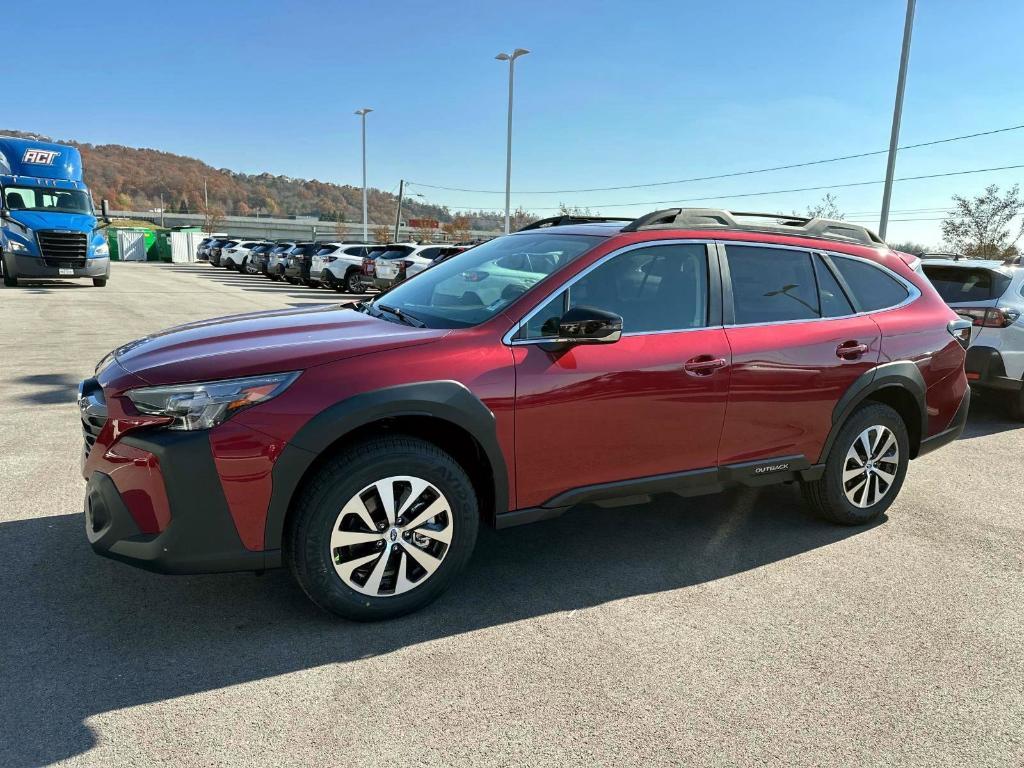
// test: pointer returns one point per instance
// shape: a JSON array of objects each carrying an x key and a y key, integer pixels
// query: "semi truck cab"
[{"x": 48, "y": 228}]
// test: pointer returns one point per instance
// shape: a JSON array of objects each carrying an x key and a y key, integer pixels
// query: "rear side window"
[
  {"x": 872, "y": 288},
  {"x": 957, "y": 284},
  {"x": 772, "y": 285}
]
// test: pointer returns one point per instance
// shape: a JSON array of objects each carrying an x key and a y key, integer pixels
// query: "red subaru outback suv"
[{"x": 363, "y": 445}]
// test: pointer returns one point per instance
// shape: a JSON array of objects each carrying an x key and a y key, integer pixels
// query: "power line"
[
  {"x": 761, "y": 194},
  {"x": 724, "y": 175}
]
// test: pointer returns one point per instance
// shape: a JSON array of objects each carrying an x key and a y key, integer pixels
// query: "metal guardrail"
[{"x": 276, "y": 228}]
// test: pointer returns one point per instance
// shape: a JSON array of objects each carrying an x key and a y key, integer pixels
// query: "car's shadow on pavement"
[
  {"x": 989, "y": 415},
  {"x": 84, "y": 635}
]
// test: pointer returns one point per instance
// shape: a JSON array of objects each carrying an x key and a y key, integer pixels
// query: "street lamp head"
[
  {"x": 363, "y": 111},
  {"x": 515, "y": 55}
]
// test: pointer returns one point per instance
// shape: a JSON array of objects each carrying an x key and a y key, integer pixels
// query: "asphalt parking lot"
[{"x": 726, "y": 630}]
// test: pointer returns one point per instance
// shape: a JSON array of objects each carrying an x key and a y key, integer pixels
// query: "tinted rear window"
[
  {"x": 772, "y": 285},
  {"x": 958, "y": 284},
  {"x": 395, "y": 253},
  {"x": 872, "y": 288}
]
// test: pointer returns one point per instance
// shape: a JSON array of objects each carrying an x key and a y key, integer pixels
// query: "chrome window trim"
[
  {"x": 507, "y": 338},
  {"x": 913, "y": 292}
]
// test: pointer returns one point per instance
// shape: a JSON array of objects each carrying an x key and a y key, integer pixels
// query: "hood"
[
  {"x": 264, "y": 342},
  {"x": 79, "y": 222}
]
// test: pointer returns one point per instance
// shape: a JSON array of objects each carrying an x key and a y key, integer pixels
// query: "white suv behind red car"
[{"x": 991, "y": 295}]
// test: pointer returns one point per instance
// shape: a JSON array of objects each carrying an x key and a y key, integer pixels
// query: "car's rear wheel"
[
  {"x": 382, "y": 529},
  {"x": 1015, "y": 405},
  {"x": 865, "y": 468},
  {"x": 352, "y": 282}
]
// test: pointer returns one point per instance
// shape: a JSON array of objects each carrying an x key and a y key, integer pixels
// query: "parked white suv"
[
  {"x": 233, "y": 257},
  {"x": 339, "y": 266},
  {"x": 991, "y": 295},
  {"x": 402, "y": 261}
]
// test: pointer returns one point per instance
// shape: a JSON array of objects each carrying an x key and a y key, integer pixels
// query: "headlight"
[
  {"x": 103, "y": 249},
  {"x": 207, "y": 404},
  {"x": 15, "y": 247}
]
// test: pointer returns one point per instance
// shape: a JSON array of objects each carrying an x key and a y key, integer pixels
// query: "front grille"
[
  {"x": 93, "y": 410},
  {"x": 63, "y": 249}
]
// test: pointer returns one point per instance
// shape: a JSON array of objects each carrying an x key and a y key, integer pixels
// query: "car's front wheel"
[
  {"x": 382, "y": 529},
  {"x": 865, "y": 468}
]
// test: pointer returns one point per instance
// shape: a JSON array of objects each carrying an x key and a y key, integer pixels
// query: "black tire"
[
  {"x": 99, "y": 282},
  {"x": 1015, "y": 405},
  {"x": 10, "y": 282},
  {"x": 310, "y": 524},
  {"x": 352, "y": 282},
  {"x": 327, "y": 280},
  {"x": 827, "y": 496}
]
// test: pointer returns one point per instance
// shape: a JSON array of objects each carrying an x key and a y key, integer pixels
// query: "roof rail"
[
  {"x": 558, "y": 221},
  {"x": 779, "y": 223}
]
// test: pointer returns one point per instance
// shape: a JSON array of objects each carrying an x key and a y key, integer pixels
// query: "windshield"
[
  {"x": 473, "y": 286},
  {"x": 47, "y": 199}
]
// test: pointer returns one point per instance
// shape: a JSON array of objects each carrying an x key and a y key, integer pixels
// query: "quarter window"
[
  {"x": 772, "y": 285},
  {"x": 872, "y": 288},
  {"x": 833, "y": 300},
  {"x": 660, "y": 288}
]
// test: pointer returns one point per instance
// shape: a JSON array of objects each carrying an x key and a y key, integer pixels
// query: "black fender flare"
[
  {"x": 448, "y": 401},
  {"x": 902, "y": 373}
]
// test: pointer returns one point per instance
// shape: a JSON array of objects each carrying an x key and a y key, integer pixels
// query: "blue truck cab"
[{"x": 48, "y": 228}]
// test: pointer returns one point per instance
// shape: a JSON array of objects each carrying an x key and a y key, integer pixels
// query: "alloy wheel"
[
  {"x": 353, "y": 284},
  {"x": 871, "y": 466},
  {"x": 392, "y": 536}
]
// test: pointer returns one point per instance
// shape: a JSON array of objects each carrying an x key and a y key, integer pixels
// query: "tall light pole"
[
  {"x": 511, "y": 59},
  {"x": 362, "y": 114},
  {"x": 897, "y": 115}
]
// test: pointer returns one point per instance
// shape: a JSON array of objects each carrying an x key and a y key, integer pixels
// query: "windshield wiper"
[{"x": 405, "y": 317}]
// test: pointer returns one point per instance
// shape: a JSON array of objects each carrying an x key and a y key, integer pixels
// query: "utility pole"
[
  {"x": 206, "y": 196},
  {"x": 897, "y": 115},
  {"x": 511, "y": 59},
  {"x": 398, "y": 215},
  {"x": 161, "y": 209}
]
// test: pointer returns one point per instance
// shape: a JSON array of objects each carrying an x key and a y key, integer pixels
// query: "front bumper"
[
  {"x": 985, "y": 370},
  {"x": 169, "y": 486},
  {"x": 19, "y": 265}
]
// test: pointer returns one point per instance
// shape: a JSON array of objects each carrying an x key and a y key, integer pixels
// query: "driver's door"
[{"x": 651, "y": 403}]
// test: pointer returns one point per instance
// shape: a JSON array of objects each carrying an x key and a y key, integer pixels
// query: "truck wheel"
[
  {"x": 865, "y": 468},
  {"x": 352, "y": 282},
  {"x": 382, "y": 529},
  {"x": 10, "y": 282},
  {"x": 99, "y": 282}
]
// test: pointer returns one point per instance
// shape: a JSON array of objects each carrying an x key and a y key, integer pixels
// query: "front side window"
[
  {"x": 772, "y": 285},
  {"x": 872, "y": 288},
  {"x": 658, "y": 288}
]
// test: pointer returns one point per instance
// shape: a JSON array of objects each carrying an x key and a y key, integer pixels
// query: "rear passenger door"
[{"x": 797, "y": 346}]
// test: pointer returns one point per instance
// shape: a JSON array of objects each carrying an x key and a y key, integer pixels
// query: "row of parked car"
[{"x": 347, "y": 267}]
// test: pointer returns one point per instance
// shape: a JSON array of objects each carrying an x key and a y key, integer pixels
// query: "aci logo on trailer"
[{"x": 40, "y": 156}]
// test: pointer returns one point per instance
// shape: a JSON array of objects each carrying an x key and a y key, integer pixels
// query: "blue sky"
[{"x": 612, "y": 93}]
